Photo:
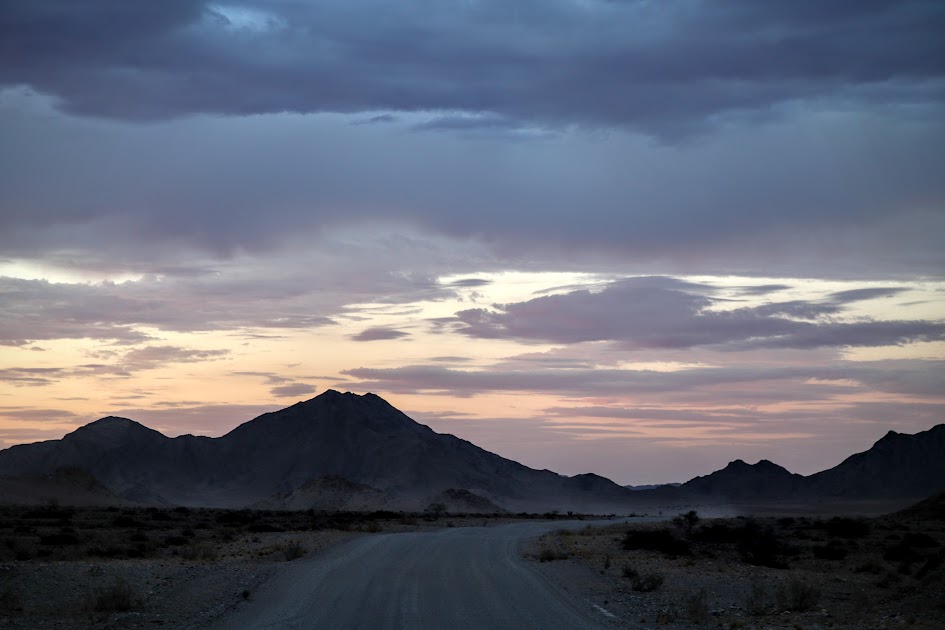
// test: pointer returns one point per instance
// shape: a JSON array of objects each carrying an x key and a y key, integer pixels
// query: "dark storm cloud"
[
  {"x": 652, "y": 65},
  {"x": 666, "y": 313},
  {"x": 379, "y": 333}
]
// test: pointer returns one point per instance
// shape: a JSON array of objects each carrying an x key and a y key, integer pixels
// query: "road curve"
[{"x": 470, "y": 577}]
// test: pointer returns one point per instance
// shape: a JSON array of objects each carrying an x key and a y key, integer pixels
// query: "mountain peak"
[{"x": 112, "y": 428}]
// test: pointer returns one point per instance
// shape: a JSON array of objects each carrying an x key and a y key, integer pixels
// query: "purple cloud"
[
  {"x": 379, "y": 333},
  {"x": 662, "y": 312},
  {"x": 292, "y": 389}
]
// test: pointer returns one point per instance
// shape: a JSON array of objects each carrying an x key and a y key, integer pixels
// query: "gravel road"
[{"x": 470, "y": 577}]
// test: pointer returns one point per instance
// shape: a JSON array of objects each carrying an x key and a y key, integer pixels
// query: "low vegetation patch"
[
  {"x": 661, "y": 540},
  {"x": 118, "y": 597}
]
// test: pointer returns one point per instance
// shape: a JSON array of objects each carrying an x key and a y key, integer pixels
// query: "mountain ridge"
[{"x": 366, "y": 441}]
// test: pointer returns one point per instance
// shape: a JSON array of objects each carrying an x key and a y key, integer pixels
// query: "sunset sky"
[{"x": 628, "y": 237}]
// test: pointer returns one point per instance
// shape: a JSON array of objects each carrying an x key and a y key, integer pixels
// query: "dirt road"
[{"x": 471, "y": 577}]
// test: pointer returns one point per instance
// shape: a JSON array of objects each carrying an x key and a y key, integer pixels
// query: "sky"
[{"x": 628, "y": 237}]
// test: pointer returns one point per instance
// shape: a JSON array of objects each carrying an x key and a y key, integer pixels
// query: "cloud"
[
  {"x": 379, "y": 333},
  {"x": 31, "y": 376},
  {"x": 663, "y": 67},
  {"x": 37, "y": 414},
  {"x": 292, "y": 389},
  {"x": 726, "y": 385},
  {"x": 151, "y": 357},
  {"x": 662, "y": 312}
]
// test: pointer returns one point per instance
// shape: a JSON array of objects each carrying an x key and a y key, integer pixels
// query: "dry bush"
[
  {"x": 797, "y": 595},
  {"x": 119, "y": 597},
  {"x": 697, "y": 607},
  {"x": 756, "y": 603},
  {"x": 293, "y": 551},
  {"x": 547, "y": 554}
]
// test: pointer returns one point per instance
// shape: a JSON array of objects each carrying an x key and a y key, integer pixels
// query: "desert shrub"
[
  {"x": 642, "y": 583},
  {"x": 125, "y": 521},
  {"x": 686, "y": 521},
  {"x": 829, "y": 552},
  {"x": 869, "y": 567},
  {"x": 435, "y": 509},
  {"x": 717, "y": 533},
  {"x": 373, "y": 527},
  {"x": 51, "y": 512},
  {"x": 198, "y": 552},
  {"x": 10, "y": 601},
  {"x": 756, "y": 603},
  {"x": 22, "y": 552},
  {"x": 761, "y": 547},
  {"x": 59, "y": 539},
  {"x": 175, "y": 541},
  {"x": 786, "y": 521},
  {"x": 661, "y": 540},
  {"x": 666, "y": 616},
  {"x": 918, "y": 540},
  {"x": 264, "y": 527},
  {"x": 647, "y": 583},
  {"x": 118, "y": 597},
  {"x": 901, "y": 553},
  {"x": 234, "y": 517},
  {"x": 139, "y": 536},
  {"x": 547, "y": 554},
  {"x": 932, "y": 563},
  {"x": 844, "y": 527},
  {"x": 697, "y": 607},
  {"x": 797, "y": 595},
  {"x": 293, "y": 550}
]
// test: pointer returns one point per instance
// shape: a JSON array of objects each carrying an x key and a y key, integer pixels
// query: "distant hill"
[
  {"x": 931, "y": 509},
  {"x": 360, "y": 438},
  {"x": 741, "y": 481},
  {"x": 898, "y": 465}
]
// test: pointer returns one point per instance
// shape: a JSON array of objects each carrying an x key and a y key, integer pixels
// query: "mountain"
[
  {"x": 898, "y": 465},
  {"x": 741, "y": 481},
  {"x": 341, "y": 451},
  {"x": 360, "y": 438}
]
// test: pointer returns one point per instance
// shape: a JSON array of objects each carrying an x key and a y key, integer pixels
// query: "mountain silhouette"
[
  {"x": 362, "y": 439},
  {"x": 345, "y": 451}
]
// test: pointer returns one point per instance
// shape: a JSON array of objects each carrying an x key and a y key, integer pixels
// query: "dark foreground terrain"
[
  {"x": 128, "y": 567},
  {"x": 98, "y": 567},
  {"x": 785, "y": 572}
]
